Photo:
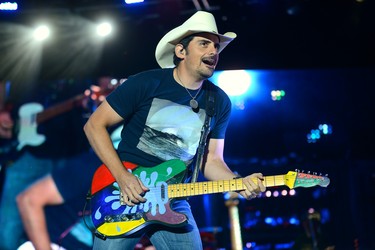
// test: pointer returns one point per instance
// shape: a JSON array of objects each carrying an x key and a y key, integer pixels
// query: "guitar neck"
[
  {"x": 59, "y": 108},
  {"x": 211, "y": 187}
]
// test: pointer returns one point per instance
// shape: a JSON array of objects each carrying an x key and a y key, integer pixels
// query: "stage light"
[
  {"x": 270, "y": 221},
  {"x": 8, "y": 6},
  {"x": 325, "y": 215},
  {"x": 234, "y": 82},
  {"x": 250, "y": 245},
  {"x": 277, "y": 95},
  {"x": 293, "y": 221},
  {"x": 114, "y": 82},
  {"x": 41, "y": 33},
  {"x": 279, "y": 220},
  {"x": 240, "y": 85},
  {"x": 104, "y": 29},
  {"x": 315, "y": 134},
  {"x": 239, "y": 104},
  {"x": 287, "y": 245},
  {"x": 325, "y": 128},
  {"x": 268, "y": 193},
  {"x": 133, "y": 1}
]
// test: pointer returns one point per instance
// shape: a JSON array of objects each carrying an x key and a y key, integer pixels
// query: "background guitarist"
[
  {"x": 65, "y": 147},
  {"x": 163, "y": 113},
  {"x": 6, "y": 122},
  {"x": 6, "y": 126}
]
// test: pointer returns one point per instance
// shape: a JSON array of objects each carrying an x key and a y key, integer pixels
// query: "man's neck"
[{"x": 186, "y": 80}]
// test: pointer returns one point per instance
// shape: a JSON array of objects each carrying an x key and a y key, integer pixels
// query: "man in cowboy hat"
[{"x": 163, "y": 111}]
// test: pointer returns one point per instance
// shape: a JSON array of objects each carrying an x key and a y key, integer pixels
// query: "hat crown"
[{"x": 202, "y": 20}]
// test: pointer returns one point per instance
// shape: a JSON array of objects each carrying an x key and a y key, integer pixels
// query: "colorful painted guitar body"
[{"x": 111, "y": 218}]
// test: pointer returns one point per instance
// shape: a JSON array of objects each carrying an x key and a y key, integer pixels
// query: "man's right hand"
[
  {"x": 6, "y": 125},
  {"x": 132, "y": 190}
]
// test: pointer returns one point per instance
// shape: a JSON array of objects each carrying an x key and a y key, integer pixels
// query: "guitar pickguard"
[{"x": 28, "y": 126}]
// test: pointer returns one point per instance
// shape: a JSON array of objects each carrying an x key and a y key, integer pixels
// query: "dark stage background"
[{"x": 321, "y": 53}]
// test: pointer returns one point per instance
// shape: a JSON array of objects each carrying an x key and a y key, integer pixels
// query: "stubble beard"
[{"x": 205, "y": 73}]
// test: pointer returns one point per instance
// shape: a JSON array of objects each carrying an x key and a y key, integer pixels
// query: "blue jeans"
[
  {"x": 18, "y": 176},
  {"x": 186, "y": 238}
]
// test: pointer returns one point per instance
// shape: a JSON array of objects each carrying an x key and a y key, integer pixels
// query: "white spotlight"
[
  {"x": 234, "y": 82},
  {"x": 133, "y": 1},
  {"x": 104, "y": 29},
  {"x": 41, "y": 33}
]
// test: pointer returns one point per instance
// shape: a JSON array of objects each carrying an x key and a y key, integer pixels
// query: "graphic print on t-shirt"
[{"x": 172, "y": 131}]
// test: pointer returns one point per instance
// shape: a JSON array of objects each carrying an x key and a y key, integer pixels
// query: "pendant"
[{"x": 193, "y": 104}]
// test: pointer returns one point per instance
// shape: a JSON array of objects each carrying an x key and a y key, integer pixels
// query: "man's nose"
[{"x": 213, "y": 50}]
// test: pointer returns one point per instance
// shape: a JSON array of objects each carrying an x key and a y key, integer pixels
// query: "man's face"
[{"x": 202, "y": 55}]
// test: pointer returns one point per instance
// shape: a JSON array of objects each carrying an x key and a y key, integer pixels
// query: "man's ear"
[{"x": 179, "y": 51}]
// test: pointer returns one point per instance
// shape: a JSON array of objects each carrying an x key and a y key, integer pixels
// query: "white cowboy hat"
[{"x": 201, "y": 21}]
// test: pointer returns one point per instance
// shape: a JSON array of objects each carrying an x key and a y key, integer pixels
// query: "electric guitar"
[
  {"x": 113, "y": 218},
  {"x": 31, "y": 115}
]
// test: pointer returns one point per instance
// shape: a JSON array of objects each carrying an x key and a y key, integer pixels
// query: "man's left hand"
[{"x": 254, "y": 186}]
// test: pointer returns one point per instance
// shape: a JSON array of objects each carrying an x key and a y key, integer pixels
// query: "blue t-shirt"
[{"x": 159, "y": 124}]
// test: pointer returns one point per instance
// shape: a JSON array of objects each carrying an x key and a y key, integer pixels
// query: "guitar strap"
[{"x": 210, "y": 112}]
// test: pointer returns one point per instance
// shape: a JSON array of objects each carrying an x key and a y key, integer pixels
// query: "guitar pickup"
[{"x": 123, "y": 217}]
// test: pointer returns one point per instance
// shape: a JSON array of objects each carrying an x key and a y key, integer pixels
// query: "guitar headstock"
[{"x": 295, "y": 179}]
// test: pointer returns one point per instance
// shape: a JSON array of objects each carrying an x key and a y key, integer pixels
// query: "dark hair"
[{"x": 185, "y": 43}]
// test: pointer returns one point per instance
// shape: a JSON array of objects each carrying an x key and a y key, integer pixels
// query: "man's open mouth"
[{"x": 209, "y": 61}]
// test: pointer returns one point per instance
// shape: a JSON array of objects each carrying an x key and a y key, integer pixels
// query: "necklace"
[{"x": 193, "y": 103}]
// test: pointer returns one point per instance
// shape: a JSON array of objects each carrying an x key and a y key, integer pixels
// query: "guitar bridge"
[{"x": 123, "y": 217}]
